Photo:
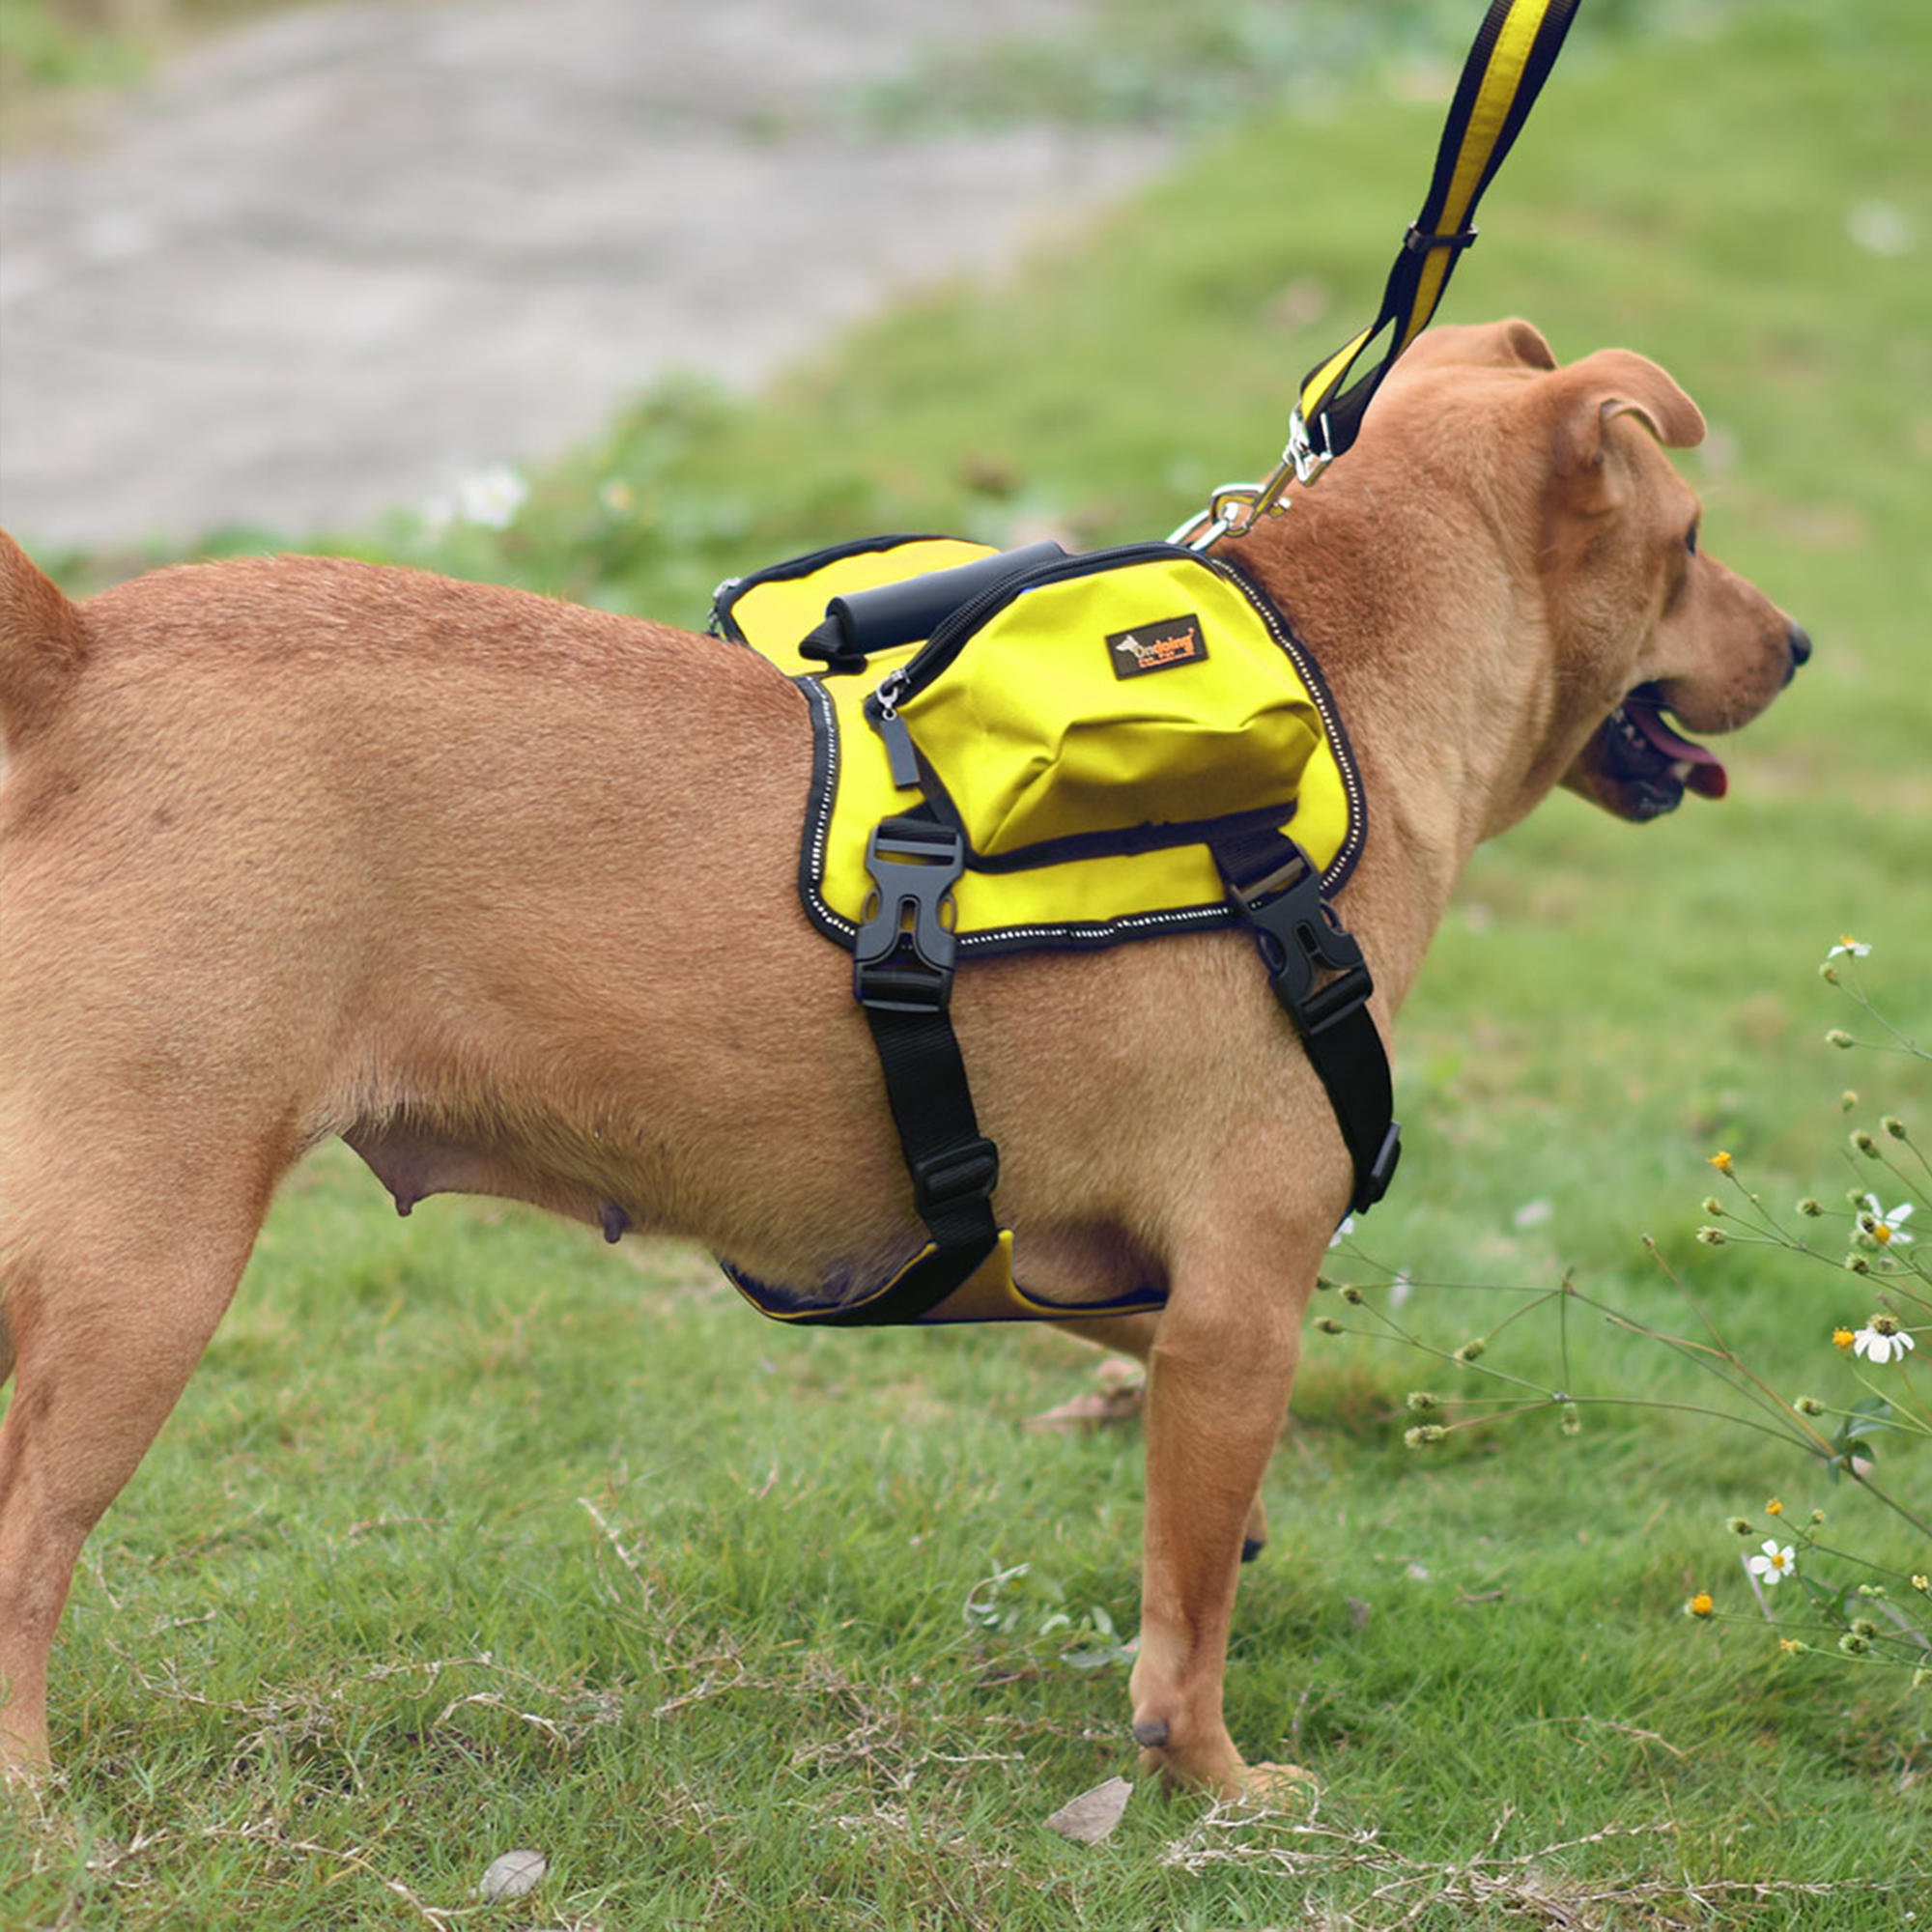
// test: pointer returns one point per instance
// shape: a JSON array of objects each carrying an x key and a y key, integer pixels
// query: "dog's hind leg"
[
  {"x": 123, "y": 1238},
  {"x": 1220, "y": 1370}
]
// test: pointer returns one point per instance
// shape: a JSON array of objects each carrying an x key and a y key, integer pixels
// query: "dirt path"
[{"x": 327, "y": 266}]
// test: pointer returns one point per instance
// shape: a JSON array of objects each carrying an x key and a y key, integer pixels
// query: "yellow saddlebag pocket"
[{"x": 1130, "y": 697}]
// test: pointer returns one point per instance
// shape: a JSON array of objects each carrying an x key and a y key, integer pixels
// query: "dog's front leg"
[
  {"x": 1134, "y": 1335},
  {"x": 1220, "y": 1369}
]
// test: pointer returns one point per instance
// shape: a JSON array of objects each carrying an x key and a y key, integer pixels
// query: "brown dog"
[{"x": 300, "y": 848}]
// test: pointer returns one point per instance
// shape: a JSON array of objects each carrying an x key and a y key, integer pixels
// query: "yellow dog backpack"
[{"x": 1032, "y": 749}]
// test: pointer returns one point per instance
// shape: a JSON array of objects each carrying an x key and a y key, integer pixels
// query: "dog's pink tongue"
[{"x": 1706, "y": 776}]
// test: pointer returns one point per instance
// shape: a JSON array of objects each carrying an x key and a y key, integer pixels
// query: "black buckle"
[
  {"x": 953, "y": 1177},
  {"x": 903, "y": 955},
  {"x": 1297, "y": 933}
]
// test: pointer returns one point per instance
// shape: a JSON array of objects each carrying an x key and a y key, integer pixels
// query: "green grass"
[{"x": 472, "y": 1534}]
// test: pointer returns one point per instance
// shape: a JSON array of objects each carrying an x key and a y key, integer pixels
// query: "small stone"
[{"x": 512, "y": 1876}]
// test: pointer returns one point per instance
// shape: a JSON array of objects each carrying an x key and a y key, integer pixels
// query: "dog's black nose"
[{"x": 1798, "y": 641}]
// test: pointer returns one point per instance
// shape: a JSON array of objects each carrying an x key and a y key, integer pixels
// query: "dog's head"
[{"x": 1644, "y": 619}]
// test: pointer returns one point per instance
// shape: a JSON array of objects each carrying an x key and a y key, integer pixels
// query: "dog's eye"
[{"x": 1690, "y": 539}]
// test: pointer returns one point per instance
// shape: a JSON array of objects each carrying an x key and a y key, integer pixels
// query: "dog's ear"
[
  {"x": 1514, "y": 344},
  {"x": 1522, "y": 345},
  {"x": 1593, "y": 394}
]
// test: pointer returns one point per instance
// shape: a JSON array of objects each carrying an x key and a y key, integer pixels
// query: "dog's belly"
[
  {"x": 1088, "y": 1262},
  {"x": 1054, "y": 1261},
  {"x": 413, "y": 1165}
]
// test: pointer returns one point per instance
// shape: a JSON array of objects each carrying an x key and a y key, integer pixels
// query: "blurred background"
[{"x": 297, "y": 265}]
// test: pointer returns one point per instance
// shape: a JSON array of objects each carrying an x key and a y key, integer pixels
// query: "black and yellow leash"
[
  {"x": 1512, "y": 57},
  {"x": 1270, "y": 880}
]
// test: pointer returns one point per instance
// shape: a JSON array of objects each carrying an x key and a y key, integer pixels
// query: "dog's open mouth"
[{"x": 1649, "y": 765}]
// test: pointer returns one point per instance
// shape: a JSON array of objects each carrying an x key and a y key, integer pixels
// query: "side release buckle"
[
  {"x": 1297, "y": 933},
  {"x": 904, "y": 953}
]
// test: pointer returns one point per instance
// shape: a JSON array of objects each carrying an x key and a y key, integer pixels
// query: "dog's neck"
[{"x": 1423, "y": 646}]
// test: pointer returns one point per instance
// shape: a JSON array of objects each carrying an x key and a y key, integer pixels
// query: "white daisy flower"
[
  {"x": 1888, "y": 1224},
  {"x": 1774, "y": 1565},
  {"x": 1343, "y": 1232},
  {"x": 1847, "y": 944},
  {"x": 1882, "y": 1339},
  {"x": 491, "y": 497}
]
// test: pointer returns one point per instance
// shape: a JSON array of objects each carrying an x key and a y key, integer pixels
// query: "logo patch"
[{"x": 1151, "y": 647}]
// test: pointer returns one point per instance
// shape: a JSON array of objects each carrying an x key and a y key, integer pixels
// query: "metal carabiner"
[{"x": 1307, "y": 461}]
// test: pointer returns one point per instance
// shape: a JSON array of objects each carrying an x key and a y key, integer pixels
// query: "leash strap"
[
  {"x": 1513, "y": 55},
  {"x": 1277, "y": 889}
]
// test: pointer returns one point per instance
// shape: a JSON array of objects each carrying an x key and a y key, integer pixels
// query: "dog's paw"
[
  {"x": 1280, "y": 1787},
  {"x": 1266, "y": 1787}
]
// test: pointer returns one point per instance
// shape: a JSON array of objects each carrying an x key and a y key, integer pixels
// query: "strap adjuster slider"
[
  {"x": 1420, "y": 241},
  {"x": 951, "y": 1178}
]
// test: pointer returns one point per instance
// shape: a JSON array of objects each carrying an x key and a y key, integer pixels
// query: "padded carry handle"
[{"x": 891, "y": 614}]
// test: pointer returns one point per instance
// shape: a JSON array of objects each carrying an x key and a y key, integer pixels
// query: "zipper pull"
[{"x": 882, "y": 708}]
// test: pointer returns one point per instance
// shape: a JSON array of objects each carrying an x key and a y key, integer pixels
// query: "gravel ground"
[{"x": 329, "y": 264}]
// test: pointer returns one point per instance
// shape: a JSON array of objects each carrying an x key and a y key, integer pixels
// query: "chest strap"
[
  {"x": 1277, "y": 889},
  {"x": 903, "y": 965}
]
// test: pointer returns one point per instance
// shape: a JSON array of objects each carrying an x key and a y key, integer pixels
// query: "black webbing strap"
[
  {"x": 1276, "y": 887},
  {"x": 903, "y": 967},
  {"x": 1512, "y": 57}
]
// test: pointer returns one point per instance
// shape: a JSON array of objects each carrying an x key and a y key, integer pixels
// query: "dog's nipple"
[{"x": 616, "y": 1221}]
